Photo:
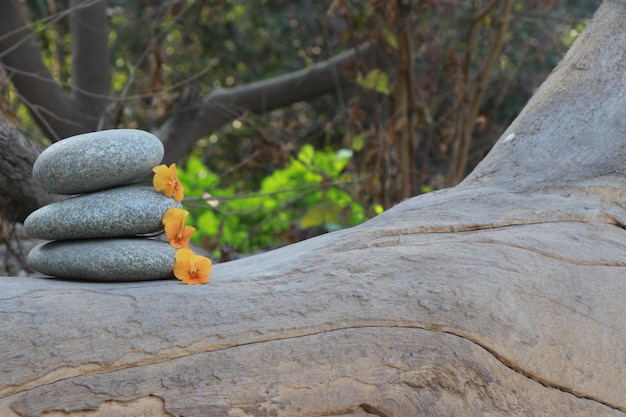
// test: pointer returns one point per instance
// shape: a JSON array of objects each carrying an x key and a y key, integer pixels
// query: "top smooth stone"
[{"x": 96, "y": 161}]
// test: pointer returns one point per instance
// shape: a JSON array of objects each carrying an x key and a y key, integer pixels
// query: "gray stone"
[
  {"x": 98, "y": 160},
  {"x": 105, "y": 259},
  {"x": 123, "y": 211}
]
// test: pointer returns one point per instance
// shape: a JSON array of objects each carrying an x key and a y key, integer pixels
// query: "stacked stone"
[{"x": 101, "y": 234}]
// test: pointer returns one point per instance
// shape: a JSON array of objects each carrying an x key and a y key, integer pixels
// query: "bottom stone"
[{"x": 131, "y": 259}]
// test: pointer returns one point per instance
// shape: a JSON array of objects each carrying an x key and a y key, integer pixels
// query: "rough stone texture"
[
  {"x": 105, "y": 259},
  {"x": 98, "y": 160},
  {"x": 122, "y": 211},
  {"x": 15, "y": 245}
]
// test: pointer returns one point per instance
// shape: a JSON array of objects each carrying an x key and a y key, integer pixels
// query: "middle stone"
[{"x": 124, "y": 211}]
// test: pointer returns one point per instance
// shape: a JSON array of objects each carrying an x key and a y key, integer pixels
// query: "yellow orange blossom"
[
  {"x": 166, "y": 180},
  {"x": 175, "y": 230},
  {"x": 191, "y": 268}
]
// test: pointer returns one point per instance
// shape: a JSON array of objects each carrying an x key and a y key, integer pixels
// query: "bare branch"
[
  {"x": 475, "y": 89},
  {"x": 90, "y": 56},
  {"x": 34, "y": 80},
  {"x": 21, "y": 58},
  {"x": 181, "y": 131}
]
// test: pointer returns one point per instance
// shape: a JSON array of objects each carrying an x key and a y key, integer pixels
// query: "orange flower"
[
  {"x": 191, "y": 268},
  {"x": 175, "y": 230},
  {"x": 166, "y": 180}
]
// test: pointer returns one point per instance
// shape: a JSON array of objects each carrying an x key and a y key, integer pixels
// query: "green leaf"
[
  {"x": 382, "y": 84},
  {"x": 306, "y": 153},
  {"x": 357, "y": 143},
  {"x": 390, "y": 37},
  {"x": 208, "y": 223},
  {"x": 320, "y": 214},
  {"x": 375, "y": 80}
]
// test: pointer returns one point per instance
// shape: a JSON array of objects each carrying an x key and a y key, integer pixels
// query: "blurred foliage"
[
  {"x": 266, "y": 180},
  {"x": 310, "y": 193}
]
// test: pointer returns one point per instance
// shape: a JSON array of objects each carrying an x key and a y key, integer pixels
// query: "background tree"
[{"x": 401, "y": 86}]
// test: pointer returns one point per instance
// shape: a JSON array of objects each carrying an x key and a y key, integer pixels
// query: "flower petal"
[
  {"x": 184, "y": 259},
  {"x": 181, "y": 240},
  {"x": 175, "y": 230},
  {"x": 185, "y": 236},
  {"x": 204, "y": 266},
  {"x": 166, "y": 180},
  {"x": 191, "y": 268},
  {"x": 161, "y": 180},
  {"x": 178, "y": 191},
  {"x": 174, "y": 221}
]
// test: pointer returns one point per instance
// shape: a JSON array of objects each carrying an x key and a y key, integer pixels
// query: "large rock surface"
[{"x": 436, "y": 307}]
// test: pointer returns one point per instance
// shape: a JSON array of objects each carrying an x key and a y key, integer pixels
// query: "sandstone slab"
[
  {"x": 98, "y": 160},
  {"x": 105, "y": 259},
  {"x": 116, "y": 212}
]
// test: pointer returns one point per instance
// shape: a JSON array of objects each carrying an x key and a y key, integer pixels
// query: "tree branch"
[
  {"x": 570, "y": 139},
  {"x": 90, "y": 56},
  {"x": 475, "y": 89},
  {"x": 30, "y": 76},
  {"x": 180, "y": 132},
  {"x": 56, "y": 114}
]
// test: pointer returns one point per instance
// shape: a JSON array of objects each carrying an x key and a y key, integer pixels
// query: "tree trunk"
[
  {"x": 22, "y": 195},
  {"x": 503, "y": 296}
]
